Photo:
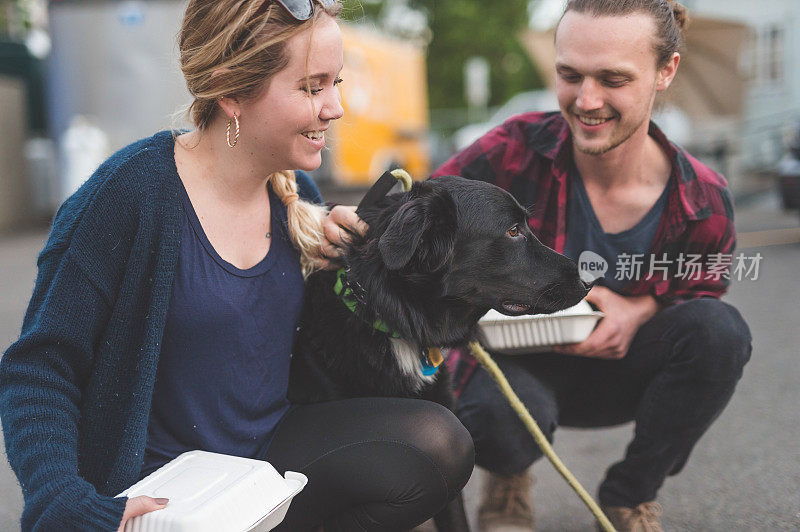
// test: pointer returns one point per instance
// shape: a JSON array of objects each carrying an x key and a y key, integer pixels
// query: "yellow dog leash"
[{"x": 491, "y": 366}]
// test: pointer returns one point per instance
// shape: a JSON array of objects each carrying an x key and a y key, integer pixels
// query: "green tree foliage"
[
  {"x": 461, "y": 29},
  {"x": 465, "y": 28}
]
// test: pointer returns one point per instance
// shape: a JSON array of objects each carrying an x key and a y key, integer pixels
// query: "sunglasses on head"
[{"x": 303, "y": 9}]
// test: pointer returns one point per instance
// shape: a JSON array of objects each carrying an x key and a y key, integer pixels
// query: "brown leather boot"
[
  {"x": 506, "y": 504},
  {"x": 643, "y": 518}
]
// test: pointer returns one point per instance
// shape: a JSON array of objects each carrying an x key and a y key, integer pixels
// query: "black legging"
[{"x": 372, "y": 463}]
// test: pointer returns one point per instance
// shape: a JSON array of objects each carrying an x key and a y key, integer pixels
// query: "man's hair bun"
[{"x": 681, "y": 14}]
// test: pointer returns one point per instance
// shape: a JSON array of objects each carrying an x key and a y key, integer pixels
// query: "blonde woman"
[{"x": 168, "y": 293}]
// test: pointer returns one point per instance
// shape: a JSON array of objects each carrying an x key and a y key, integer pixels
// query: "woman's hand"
[
  {"x": 614, "y": 334},
  {"x": 340, "y": 224},
  {"x": 140, "y": 505}
]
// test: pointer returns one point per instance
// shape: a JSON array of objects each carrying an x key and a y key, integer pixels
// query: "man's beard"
[{"x": 600, "y": 150}]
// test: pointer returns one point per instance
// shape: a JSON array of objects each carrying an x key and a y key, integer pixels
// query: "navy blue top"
[
  {"x": 224, "y": 366},
  {"x": 586, "y": 238},
  {"x": 75, "y": 388}
]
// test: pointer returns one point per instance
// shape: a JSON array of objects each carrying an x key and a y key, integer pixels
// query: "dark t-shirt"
[
  {"x": 586, "y": 239},
  {"x": 224, "y": 364}
]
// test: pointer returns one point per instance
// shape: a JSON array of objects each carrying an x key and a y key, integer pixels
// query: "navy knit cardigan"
[{"x": 75, "y": 389}]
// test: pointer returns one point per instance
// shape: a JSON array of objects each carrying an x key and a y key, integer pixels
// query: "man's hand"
[
  {"x": 139, "y": 506},
  {"x": 338, "y": 227},
  {"x": 614, "y": 334}
]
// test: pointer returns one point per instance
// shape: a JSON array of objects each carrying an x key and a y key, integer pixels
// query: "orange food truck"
[{"x": 385, "y": 123}]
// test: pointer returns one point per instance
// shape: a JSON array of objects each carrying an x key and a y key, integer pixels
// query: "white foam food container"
[
  {"x": 513, "y": 335},
  {"x": 210, "y": 492}
]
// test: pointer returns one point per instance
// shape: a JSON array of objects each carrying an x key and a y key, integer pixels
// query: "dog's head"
[{"x": 460, "y": 246}]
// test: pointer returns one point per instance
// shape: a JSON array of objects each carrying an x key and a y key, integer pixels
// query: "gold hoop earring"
[{"x": 235, "y": 135}]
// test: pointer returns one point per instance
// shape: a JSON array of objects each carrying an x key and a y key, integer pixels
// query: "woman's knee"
[{"x": 442, "y": 438}]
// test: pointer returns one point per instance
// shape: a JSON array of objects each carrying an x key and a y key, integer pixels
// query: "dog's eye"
[{"x": 514, "y": 231}]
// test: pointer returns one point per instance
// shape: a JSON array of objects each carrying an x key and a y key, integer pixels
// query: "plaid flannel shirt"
[{"x": 530, "y": 155}]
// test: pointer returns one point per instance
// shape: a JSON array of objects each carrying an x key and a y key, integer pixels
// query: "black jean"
[
  {"x": 678, "y": 375},
  {"x": 372, "y": 463}
]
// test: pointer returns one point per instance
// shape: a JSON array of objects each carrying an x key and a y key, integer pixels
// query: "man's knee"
[
  {"x": 715, "y": 338},
  {"x": 502, "y": 442}
]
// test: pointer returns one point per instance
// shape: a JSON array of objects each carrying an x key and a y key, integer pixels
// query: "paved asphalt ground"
[{"x": 744, "y": 475}]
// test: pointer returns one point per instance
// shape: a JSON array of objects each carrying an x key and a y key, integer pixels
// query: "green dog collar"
[
  {"x": 346, "y": 295},
  {"x": 431, "y": 358}
]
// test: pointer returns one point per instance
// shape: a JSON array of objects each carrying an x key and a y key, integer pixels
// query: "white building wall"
[{"x": 772, "y": 107}]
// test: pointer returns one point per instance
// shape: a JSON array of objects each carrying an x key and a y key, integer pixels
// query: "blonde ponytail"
[{"x": 305, "y": 220}]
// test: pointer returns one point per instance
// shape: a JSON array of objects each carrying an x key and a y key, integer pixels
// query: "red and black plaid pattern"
[{"x": 531, "y": 156}]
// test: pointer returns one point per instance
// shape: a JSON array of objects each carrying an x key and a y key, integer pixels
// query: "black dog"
[{"x": 432, "y": 262}]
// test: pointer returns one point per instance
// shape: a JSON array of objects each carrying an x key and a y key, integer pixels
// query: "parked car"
[{"x": 538, "y": 100}]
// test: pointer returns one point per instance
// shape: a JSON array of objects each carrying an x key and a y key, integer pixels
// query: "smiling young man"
[{"x": 602, "y": 179}]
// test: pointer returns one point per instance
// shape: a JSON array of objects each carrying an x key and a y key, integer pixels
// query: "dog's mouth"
[{"x": 513, "y": 308}]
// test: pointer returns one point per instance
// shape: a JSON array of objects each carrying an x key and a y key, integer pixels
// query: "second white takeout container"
[
  {"x": 513, "y": 335},
  {"x": 210, "y": 492}
]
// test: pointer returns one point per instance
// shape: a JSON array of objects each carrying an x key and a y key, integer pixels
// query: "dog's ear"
[{"x": 422, "y": 229}]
